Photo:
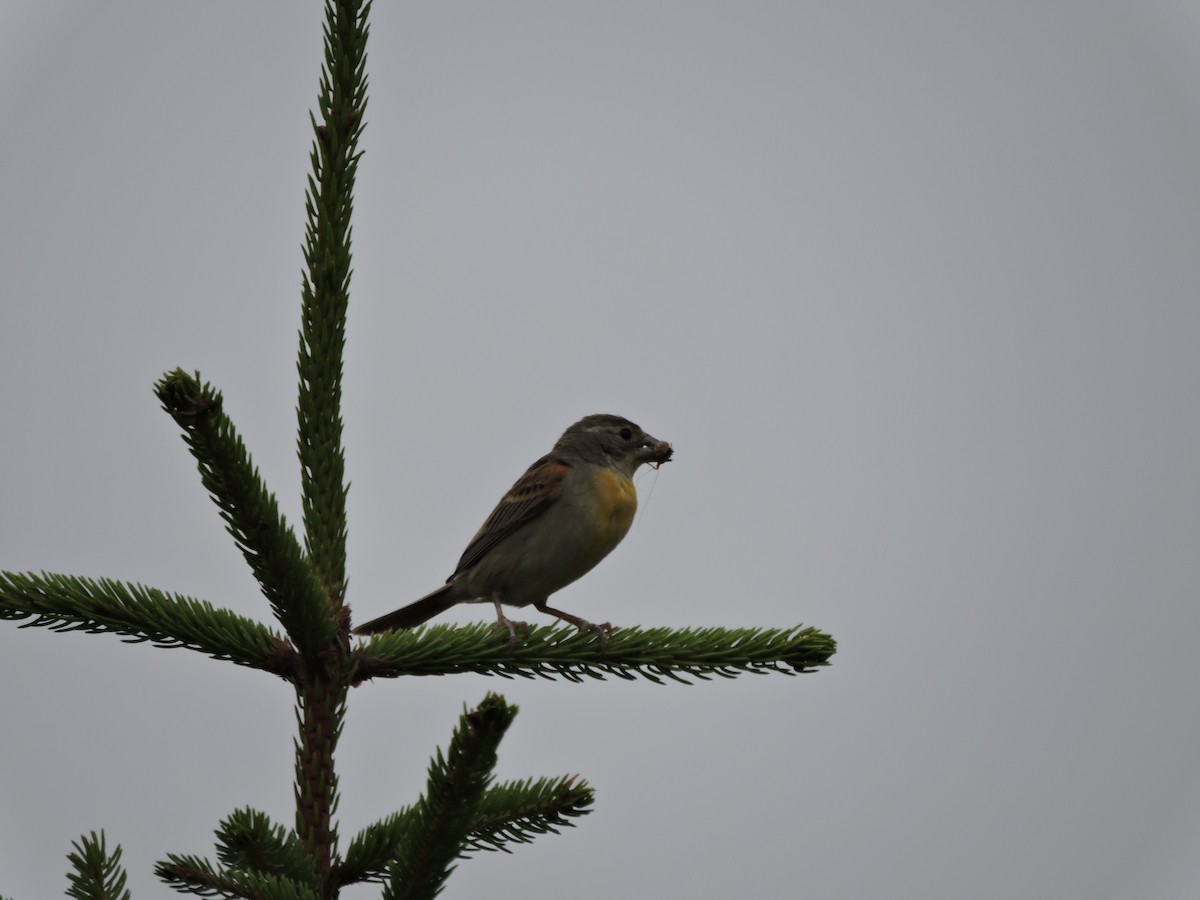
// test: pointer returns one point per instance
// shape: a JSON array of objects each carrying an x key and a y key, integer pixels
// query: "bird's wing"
[{"x": 532, "y": 495}]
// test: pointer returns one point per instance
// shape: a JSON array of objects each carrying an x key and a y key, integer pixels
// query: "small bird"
[{"x": 565, "y": 514}]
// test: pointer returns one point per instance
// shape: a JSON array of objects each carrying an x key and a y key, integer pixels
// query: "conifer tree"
[{"x": 462, "y": 811}]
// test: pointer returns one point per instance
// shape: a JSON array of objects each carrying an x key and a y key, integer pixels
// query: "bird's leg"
[
  {"x": 601, "y": 629},
  {"x": 503, "y": 621}
]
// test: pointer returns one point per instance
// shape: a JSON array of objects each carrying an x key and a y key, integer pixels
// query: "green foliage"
[
  {"x": 326, "y": 290},
  {"x": 97, "y": 606},
  {"x": 371, "y": 850},
  {"x": 518, "y": 811},
  {"x": 249, "y": 841},
  {"x": 249, "y": 510},
  {"x": 192, "y": 875},
  {"x": 510, "y": 813},
  {"x": 97, "y": 874},
  {"x": 441, "y": 820},
  {"x": 259, "y": 859},
  {"x": 656, "y": 654}
]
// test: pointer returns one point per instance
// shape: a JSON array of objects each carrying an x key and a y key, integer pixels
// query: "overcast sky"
[{"x": 912, "y": 288}]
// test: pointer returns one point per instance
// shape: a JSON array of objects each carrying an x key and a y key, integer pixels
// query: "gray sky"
[{"x": 912, "y": 288}]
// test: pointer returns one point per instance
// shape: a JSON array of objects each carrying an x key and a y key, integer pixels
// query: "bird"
[{"x": 566, "y": 513}]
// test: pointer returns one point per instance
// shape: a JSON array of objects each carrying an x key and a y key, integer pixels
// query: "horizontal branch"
[
  {"x": 139, "y": 613},
  {"x": 656, "y": 654}
]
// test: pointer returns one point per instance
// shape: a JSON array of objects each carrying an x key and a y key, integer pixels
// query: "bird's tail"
[{"x": 412, "y": 615}]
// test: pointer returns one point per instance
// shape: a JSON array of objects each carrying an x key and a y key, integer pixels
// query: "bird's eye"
[{"x": 626, "y": 434}]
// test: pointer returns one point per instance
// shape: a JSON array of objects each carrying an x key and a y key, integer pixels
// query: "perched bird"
[{"x": 565, "y": 514}]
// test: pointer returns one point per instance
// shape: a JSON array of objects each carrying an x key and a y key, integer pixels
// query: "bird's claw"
[
  {"x": 512, "y": 627},
  {"x": 601, "y": 630}
]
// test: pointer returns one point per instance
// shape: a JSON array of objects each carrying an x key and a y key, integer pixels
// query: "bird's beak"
[{"x": 654, "y": 451}]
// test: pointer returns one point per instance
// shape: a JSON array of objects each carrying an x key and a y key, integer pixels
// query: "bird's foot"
[
  {"x": 512, "y": 627},
  {"x": 509, "y": 625},
  {"x": 601, "y": 630}
]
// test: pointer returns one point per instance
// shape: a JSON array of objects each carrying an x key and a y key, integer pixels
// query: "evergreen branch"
[
  {"x": 442, "y": 818},
  {"x": 193, "y": 875},
  {"x": 517, "y": 812},
  {"x": 250, "y": 511},
  {"x": 248, "y": 840},
  {"x": 326, "y": 289},
  {"x": 371, "y": 850},
  {"x": 510, "y": 813},
  {"x": 98, "y": 606},
  {"x": 657, "y": 654},
  {"x": 97, "y": 875}
]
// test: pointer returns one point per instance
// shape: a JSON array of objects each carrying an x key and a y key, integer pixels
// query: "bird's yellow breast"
[{"x": 616, "y": 502}]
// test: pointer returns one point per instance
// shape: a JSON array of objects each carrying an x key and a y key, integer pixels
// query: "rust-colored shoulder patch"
[
  {"x": 546, "y": 478},
  {"x": 524, "y": 502}
]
